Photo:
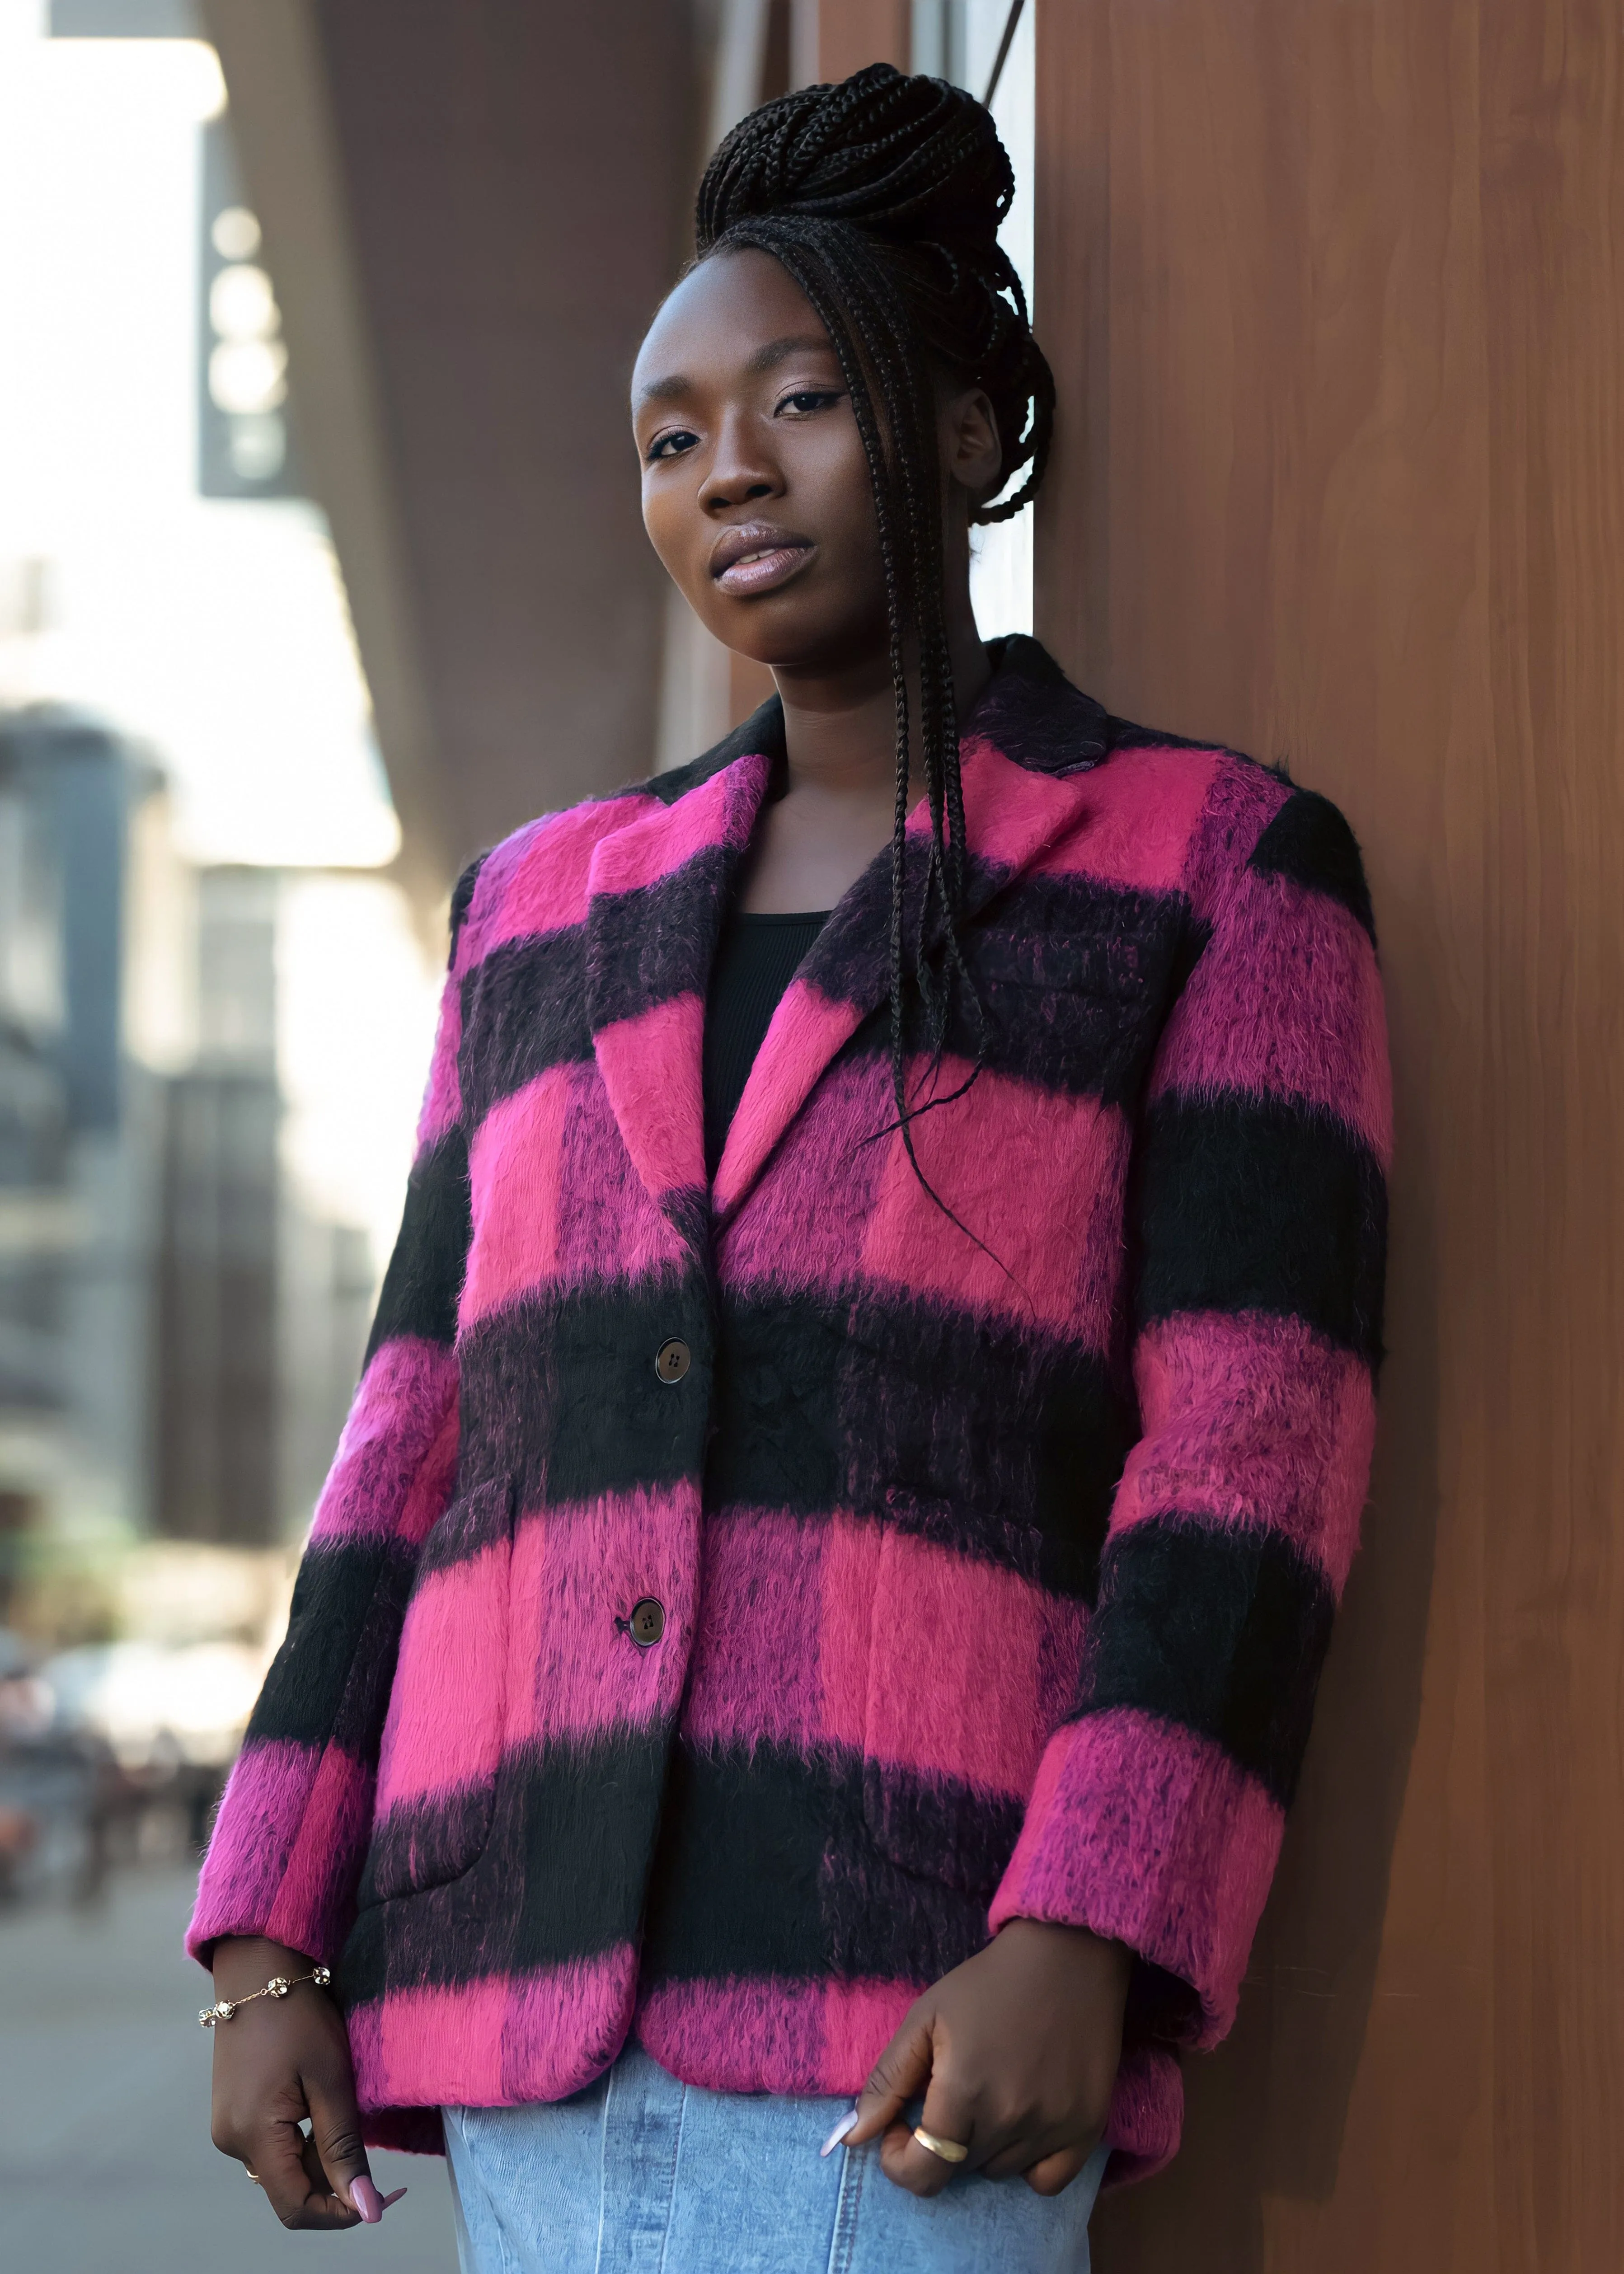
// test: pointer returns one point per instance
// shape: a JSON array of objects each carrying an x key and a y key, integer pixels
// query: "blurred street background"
[
  {"x": 105, "y": 2160},
  {"x": 321, "y": 568}
]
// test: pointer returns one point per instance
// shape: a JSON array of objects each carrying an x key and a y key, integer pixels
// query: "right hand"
[{"x": 277, "y": 2061}]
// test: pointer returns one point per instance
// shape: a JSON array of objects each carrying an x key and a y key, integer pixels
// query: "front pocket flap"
[{"x": 938, "y": 1828}]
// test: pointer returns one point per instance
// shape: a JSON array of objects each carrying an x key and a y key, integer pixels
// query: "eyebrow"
[
  {"x": 765, "y": 358},
  {"x": 664, "y": 390},
  {"x": 777, "y": 351}
]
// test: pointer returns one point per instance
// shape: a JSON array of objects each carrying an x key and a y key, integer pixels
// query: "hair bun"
[{"x": 909, "y": 158}]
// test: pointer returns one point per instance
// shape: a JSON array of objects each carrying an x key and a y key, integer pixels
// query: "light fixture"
[
  {"x": 236, "y": 234},
  {"x": 248, "y": 374},
  {"x": 242, "y": 305}
]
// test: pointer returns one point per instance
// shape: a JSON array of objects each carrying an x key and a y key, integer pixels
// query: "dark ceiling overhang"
[{"x": 471, "y": 213}]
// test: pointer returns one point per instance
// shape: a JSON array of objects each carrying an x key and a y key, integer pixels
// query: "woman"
[{"x": 823, "y": 1585}]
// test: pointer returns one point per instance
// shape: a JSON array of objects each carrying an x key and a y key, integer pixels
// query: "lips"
[{"x": 756, "y": 557}]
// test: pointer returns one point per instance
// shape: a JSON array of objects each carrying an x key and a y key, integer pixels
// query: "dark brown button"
[
  {"x": 647, "y": 1623},
  {"x": 672, "y": 1359}
]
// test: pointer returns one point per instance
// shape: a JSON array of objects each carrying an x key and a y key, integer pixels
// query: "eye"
[
  {"x": 807, "y": 400},
  {"x": 672, "y": 445}
]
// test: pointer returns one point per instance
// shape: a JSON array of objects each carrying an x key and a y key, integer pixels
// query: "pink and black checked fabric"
[{"x": 997, "y": 1571}]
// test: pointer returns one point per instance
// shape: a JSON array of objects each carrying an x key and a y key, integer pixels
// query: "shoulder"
[
  {"x": 535, "y": 879},
  {"x": 1036, "y": 718},
  {"x": 1242, "y": 819},
  {"x": 1255, "y": 822}
]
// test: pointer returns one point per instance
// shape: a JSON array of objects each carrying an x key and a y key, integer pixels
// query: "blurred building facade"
[
  {"x": 178, "y": 1328},
  {"x": 217, "y": 1395},
  {"x": 77, "y": 1138}
]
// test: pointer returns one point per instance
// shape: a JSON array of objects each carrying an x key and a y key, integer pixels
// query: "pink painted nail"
[
  {"x": 367, "y": 2200},
  {"x": 845, "y": 2125},
  {"x": 394, "y": 2198}
]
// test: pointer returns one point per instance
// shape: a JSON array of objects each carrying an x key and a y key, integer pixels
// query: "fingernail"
[
  {"x": 846, "y": 2124},
  {"x": 367, "y": 2200},
  {"x": 394, "y": 2198}
]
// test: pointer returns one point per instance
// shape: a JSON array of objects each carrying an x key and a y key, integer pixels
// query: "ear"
[{"x": 972, "y": 454}]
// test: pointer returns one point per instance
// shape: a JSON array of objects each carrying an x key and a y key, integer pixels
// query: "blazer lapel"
[
  {"x": 656, "y": 893},
  {"x": 1013, "y": 810}
]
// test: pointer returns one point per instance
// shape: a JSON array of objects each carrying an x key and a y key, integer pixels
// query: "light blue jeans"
[{"x": 642, "y": 2175}]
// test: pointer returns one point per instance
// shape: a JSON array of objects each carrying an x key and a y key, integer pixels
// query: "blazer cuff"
[
  {"x": 283, "y": 1860},
  {"x": 1149, "y": 1834}
]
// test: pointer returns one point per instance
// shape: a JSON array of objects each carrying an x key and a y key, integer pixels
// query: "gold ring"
[{"x": 951, "y": 2152}]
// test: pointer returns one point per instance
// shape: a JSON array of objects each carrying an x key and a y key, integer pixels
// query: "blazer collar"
[
  {"x": 1011, "y": 817},
  {"x": 1014, "y": 809},
  {"x": 657, "y": 891},
  {"x": 659, "y": 888}
]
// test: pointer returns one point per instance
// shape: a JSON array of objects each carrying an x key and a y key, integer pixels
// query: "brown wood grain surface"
[
  {"x": 1332, "y": 290},
  {"x": 853, "y": 33}
]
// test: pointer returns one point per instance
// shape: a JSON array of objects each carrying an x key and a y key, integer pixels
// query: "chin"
[{"x": 787, "y": 636}]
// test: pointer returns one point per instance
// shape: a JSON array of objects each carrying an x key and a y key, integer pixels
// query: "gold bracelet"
[{"x": 278, "y": 1986}]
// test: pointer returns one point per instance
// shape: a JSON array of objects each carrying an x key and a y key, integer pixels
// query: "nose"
[{"x": 741, "y": 471}]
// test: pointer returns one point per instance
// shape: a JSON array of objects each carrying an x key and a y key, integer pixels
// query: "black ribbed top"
[{"x": 756, "y": 959}]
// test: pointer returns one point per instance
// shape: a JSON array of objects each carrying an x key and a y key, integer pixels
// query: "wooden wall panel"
[
  {"x": 1332, "y": 292},
  {"x": 854, "y": 32}
]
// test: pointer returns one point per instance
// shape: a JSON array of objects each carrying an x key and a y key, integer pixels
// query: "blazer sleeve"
[
  {"x": 293, "y": 1825},
  {"x": 1258, "y": 1239}
]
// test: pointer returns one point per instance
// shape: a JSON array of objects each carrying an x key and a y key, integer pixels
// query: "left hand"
[{"x": 1016, "y": 2052}]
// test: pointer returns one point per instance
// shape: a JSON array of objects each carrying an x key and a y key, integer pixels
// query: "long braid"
[{"x": 882, "y": 199}]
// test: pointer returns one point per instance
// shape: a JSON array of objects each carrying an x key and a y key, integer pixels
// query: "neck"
[
  {"x": 840, "y": 734},
  {"x": 839, "y": 721}
]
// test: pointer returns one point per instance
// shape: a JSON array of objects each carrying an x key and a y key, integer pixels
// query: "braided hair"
[{"x": 883, "y": 197}]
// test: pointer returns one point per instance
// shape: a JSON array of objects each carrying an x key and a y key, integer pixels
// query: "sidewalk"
[{"x": 106, "y": 2165}]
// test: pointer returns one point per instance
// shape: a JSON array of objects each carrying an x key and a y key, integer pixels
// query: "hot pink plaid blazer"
[{"x": 729, "y": 1604}]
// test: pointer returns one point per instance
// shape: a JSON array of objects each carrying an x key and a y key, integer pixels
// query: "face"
[{"x": 756, "y": 491}]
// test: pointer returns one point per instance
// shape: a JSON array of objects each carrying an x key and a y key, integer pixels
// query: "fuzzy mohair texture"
[{"x": 998, "y": 1550}]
